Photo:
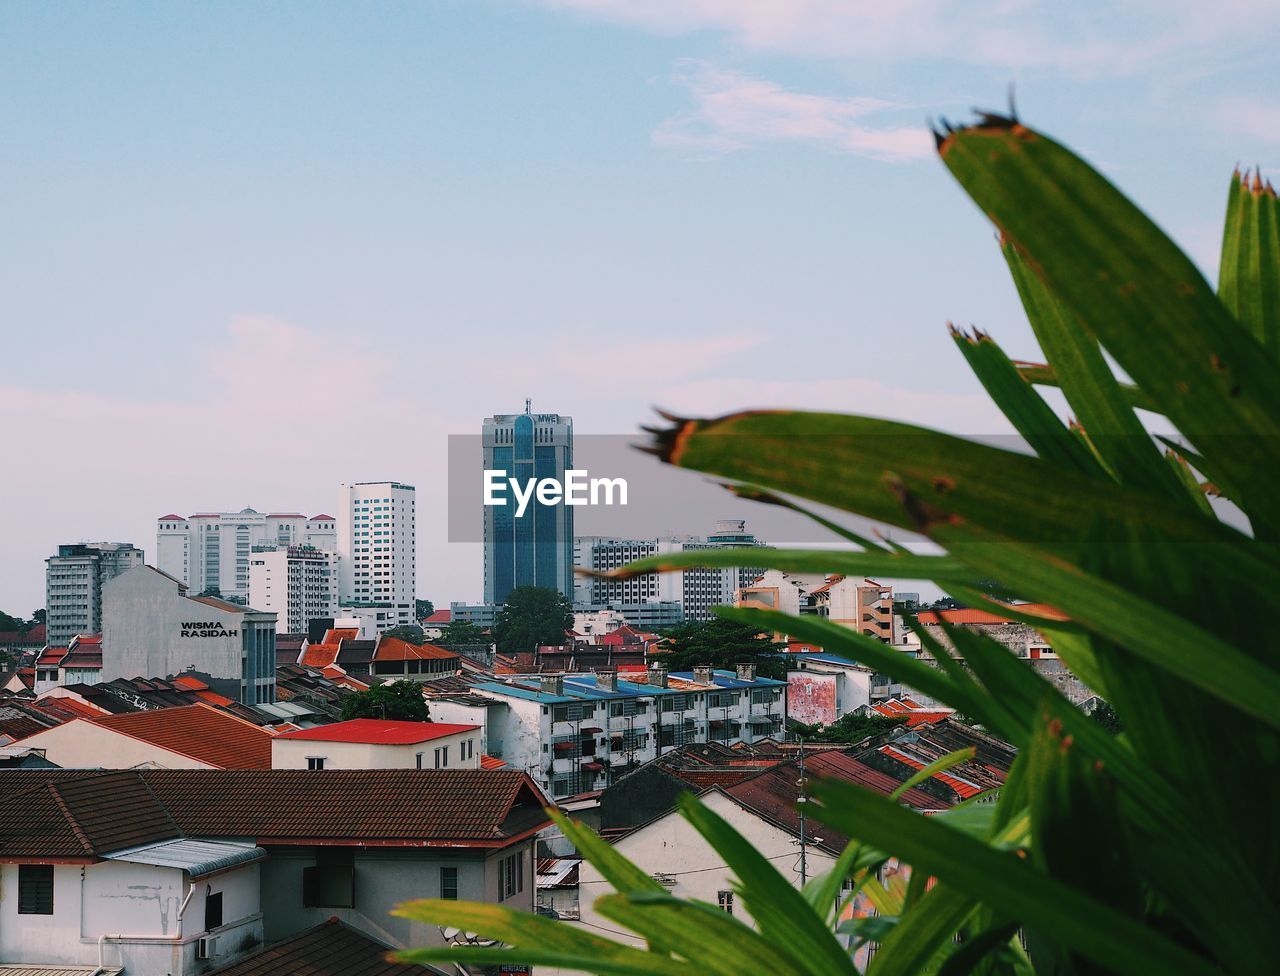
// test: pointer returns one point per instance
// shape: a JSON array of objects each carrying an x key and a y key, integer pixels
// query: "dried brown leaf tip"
[
  {"x": 667, "y": 443},
  {"x": 924, "y": 514}
]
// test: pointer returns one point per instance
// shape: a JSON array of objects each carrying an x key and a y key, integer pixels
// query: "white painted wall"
[
  {"x": 294, "y": 753},
  {"x": 137, "y": 901}
]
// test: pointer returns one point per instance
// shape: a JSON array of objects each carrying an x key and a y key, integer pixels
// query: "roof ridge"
[{"x": 76, "y": 829}]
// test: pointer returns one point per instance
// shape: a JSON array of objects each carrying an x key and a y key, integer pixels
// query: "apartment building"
[
  {"x": 210, "y": 551},
  {"x": 577, "y": 732},
  {"x": 73, "y": 586},
  {"x": 377, "y": 529},
  {"x": 859, "y": 604},
  {"x": 296, "y": 583}
]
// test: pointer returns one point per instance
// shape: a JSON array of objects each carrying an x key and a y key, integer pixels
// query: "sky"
[{"x": 251, "y": 251}]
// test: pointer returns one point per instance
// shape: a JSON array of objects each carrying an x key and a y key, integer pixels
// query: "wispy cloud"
[
  {"x": 732, "y": 111},
  {"x": 1254, "y": 117},
  {"x": 1092, "y": 37}
]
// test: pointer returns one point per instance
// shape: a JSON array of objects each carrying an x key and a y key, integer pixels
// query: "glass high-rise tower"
[{"x": 535, "y": 549}]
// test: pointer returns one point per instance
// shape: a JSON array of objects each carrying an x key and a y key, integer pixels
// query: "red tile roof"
[
  {"x": 972, "y": 615},
  {"x": 51, "y": 657},
  {"x": 66, "y": 709},
  {"x": 199, "y": 732},
  {"x": 380, "y": 732},
  {"x": 322, "y": 518},
  {"x": 170, "y": 518},
  {"x": 439, "y": 617},
  {"x": 395, "y": 649},
  {"x": 491, "y": 762}
]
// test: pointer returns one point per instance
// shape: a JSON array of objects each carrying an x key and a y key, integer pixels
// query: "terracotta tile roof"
[
  {"x": 914, "y": 713},
  {"x": 395, "y": 649},
  {"x": 66, "y": 709},
  {"x": 322, "y": 518},
  {"x": 380, "y": 732},
  {"x": 367, "y": 807},
  {"x": 972, "y": 615},
  {"x": 332, "y": 948},
  {"x": 170, "y": 518},
  {"x": 18, "y": 723},
  {"x": 319, "y": 655},
  {"x": 439, "y": 617},
  {"x": 199, "y": 732},
  {"x": 80, "y": 816},
  {"x": 51, "y": 657},
  {"x": 491, "y": 762}
]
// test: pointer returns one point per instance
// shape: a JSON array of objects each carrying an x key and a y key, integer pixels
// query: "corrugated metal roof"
[{"x": 197, "y": 857}]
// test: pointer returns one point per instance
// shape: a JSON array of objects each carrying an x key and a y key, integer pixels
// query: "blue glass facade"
[{"x": 535, "y": 549}]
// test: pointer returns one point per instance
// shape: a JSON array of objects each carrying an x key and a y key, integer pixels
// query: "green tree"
[
  {"x": 399, "y": 700},
  {"x": 847, "y": 728},
  {"x": 406, "y": 632},
  {"x": 722, "y": 643},
  {"x": 1106, "y": 853},
  {"x": 423, "y": 608},
  {"x": 1106, "y": 716},
  {"x": 9, "y": 623},
  {"x": 532, "y": 615},
  {"x": 462, "y": 632},
  {"x": 38, "y": 617}
]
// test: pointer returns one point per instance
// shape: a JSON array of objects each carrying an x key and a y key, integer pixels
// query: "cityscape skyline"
[{"x": 543, "y": 207}]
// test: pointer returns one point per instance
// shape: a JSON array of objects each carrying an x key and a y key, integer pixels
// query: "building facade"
[
  {"x": 73, "y": 586},
  {"x": 377, "y": 532},
  {"x": 296, "y": 583},
  {"x": 210, "y": 551},
  {"x": 578, "y": 732},
  {"x": 152, "y": 629},
  {"x": 695, "y": 591},
  {"x": 535, "y": 549}
]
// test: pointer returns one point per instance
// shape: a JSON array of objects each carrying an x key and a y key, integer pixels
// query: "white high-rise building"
[
  {"x": 210, "y": 551},
  {"x": 297, "y": 583},
  {"x": 377, "y": 547}
]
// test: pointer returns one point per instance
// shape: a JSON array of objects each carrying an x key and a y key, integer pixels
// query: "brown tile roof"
[
  {"x": 80, "y": 816},
  {"x": 213, "y": 601},
  {"x": 332, "y": 948},
  {"x": 18, "y": 723},
  {"x": 54, "y": 813},
  {"x": 200, "y": 732},
  {"x": 972, "y": 615}
]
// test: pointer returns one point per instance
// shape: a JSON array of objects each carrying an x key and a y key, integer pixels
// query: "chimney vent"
[
  {"x": 607, "y": 680},
  {"x": 702, "y": 674},
  {"x": 552, "y": 684},
  {"x": 658, "y": 677},
  {"x": 746, "y": 672}
]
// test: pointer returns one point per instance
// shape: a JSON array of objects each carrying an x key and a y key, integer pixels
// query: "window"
[
  {"x": 418, "y": 758},
  {"x": 725, "y": 900},
  {"x": 35, "y": 889},
  {"x": 315, "y": 762},
  {"x": 449, "y": 883},
  {"x": 331, "y": 883},
  {"x": 511, "y": 881},
  {"x": 442, "y": 757},
  {"x": 212, "y": 910}
]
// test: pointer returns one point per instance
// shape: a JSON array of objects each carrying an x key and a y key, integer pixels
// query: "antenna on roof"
[{"x": 528, "y": 405}]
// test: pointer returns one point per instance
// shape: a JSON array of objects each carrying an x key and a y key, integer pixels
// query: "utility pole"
[{"x": 801, "y": 800}]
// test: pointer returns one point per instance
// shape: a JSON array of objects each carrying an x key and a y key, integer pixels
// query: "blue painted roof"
[
  {"x": 730, "y": 679},
  {"x": 583, "y": 687},
  {"x": 827, "y": 658}
]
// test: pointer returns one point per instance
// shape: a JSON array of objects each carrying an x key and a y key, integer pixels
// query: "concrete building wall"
[
  {"x": 137, "y": 901},
  {"x": 146, "y": 633},
  {"x": 296, "y": 583},
  {"x": 383, "y": 879},
  {"x": 295, "y": 753}
]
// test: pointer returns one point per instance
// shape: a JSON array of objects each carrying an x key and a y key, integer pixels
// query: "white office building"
[
  {"x": 376, "y": 547},
  {"x": 73, "y": 586},
  {"x": 695, "y": 590},
  {"x": 297, "y": 583},
  {"x": 210, "y": 551}
]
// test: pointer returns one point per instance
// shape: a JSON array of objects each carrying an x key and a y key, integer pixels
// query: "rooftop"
[
  {"x": 379, "y": 732},
  {"x": 332, "y": 948},
  {"x": 198, "y": 732},
  {"x": 48, "y": 813},
  {"x": 972, "y": 615}
]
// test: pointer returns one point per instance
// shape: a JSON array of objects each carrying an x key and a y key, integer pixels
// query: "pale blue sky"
[{"x": 252, "y": 250}]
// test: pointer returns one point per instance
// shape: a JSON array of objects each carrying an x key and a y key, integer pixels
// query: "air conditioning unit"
[{"x": 207, "y": 948}]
